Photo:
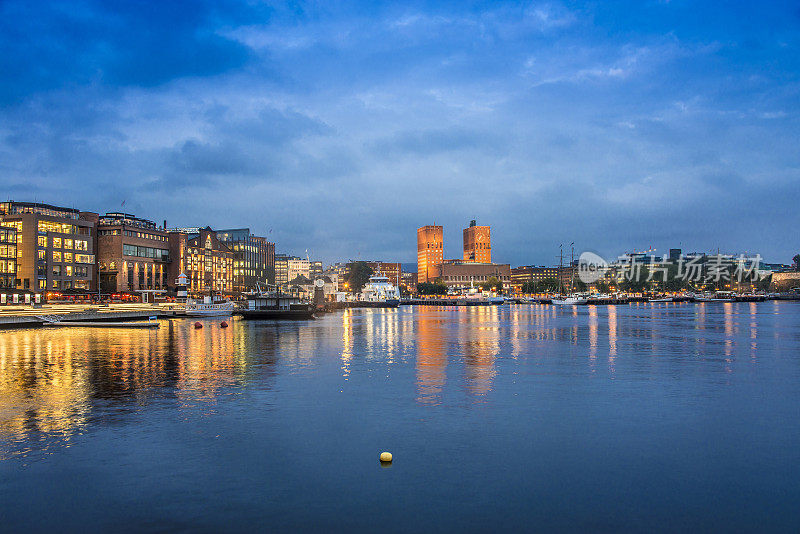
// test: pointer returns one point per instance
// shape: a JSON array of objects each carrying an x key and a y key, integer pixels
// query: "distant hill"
[{"x": 409, "y": 267}]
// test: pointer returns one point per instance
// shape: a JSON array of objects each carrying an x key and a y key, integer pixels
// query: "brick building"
[
  {"x": 206, "y": 260},
  {"x": 132, "y": 254}
]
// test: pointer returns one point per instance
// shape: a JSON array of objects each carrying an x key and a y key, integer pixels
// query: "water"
[{"x": 642, "y": 417}]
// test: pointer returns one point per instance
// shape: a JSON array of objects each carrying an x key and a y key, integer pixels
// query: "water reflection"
[
  {"x": 431, "y": 361},
  {"x": 54, "y": 384}
]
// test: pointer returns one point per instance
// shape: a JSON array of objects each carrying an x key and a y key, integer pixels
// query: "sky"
[{"x": 338, "y": 128}]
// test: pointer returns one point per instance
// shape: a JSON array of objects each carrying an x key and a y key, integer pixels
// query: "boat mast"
[
  {"x": 560, "y": 266},
  {"x": 572, "y": 267}
]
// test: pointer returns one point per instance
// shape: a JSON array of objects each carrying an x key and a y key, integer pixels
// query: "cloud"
[{"x": 345, "y": 126}]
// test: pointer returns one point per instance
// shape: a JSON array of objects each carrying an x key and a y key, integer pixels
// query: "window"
[
  {"x": 81, "y": 245},
  {"x": 56, "y": 256},
  {"x": 68, "y": 243},
  {"x": 56, "y": 270},
  {"x": 68, "y": 270},
  {"x": 81, "y": 271},
  {"x": 42, "y": 284},
  {"x": 56, "y": 242},
  {"x": 42, "y": 254},
  {"x": 54, "y": 284},
  {"x": 84, "y": 258},
  {"x": 61, "y": 228},
  {"x": 68, "y": 257},
  {"x": 42, "y": 241}
]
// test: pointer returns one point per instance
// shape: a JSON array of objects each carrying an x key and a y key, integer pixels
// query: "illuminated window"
[
  {"x": 68, "y": 257},
  {"x": 42, "y": 241},
  {"x": 56, "y": 242},
  {"x": 68, "y": 243},
  {"x": 56, "y": 256},
  {"x": 68, "y": 270},
  {"x": 42, "y": 254}
]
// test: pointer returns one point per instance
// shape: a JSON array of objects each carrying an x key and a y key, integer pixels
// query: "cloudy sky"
[{"x": 341, "y": 127}]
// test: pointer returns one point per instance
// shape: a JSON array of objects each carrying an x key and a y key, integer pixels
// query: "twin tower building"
[{"x": 430, "y": 249}]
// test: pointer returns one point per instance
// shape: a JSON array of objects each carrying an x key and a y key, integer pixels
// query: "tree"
[
  {"x": 437, "y": 287},
  {"x": 358, "y": 276},
  {"x": 546, "y": 285},
  {"x": 796, "y": 260},
  {"x": 602, "y": 286},
  {"x": 764, "y": 282},
  {"x": 491, "y": 284},
  {"x": 529, "y": 287}
]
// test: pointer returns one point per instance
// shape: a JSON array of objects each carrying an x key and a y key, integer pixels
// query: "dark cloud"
[
  {"x": 344, "y": 127},
  {"x": 49, "y": 46}
]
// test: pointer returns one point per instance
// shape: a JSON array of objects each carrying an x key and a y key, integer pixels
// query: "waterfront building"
[
  {"x": 281, "y": 269},
  {"x": 393, "y": 271},
  {"x": 55, "y": 246},
  {"x": 409, "y": 281},
  {"x": 254, "y": 259},
  {"x": 531, "y": 273},
  {"x": 297, "y": 266},
  {"x": 461, "y": 274},
  {"x": 315, "y": 269},
  {"x": 132, "y": 254},
  {"x": 430, "y": 251},
  {"x": 8, "y": 257},
  {"x": 477, "y": 243},
  {"x": 206, "y": 260}
]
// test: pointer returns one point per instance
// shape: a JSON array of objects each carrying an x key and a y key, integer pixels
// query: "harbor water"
[{"x": 640, "y": 417}]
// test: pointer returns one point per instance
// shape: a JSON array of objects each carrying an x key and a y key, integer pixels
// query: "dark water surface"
[{"x": 642, "y": 417}]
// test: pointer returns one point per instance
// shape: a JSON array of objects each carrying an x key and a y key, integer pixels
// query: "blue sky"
[{"x": 341, "y": 127}]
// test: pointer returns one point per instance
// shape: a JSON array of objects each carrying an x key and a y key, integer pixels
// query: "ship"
[{"x": 379, "y": 292}]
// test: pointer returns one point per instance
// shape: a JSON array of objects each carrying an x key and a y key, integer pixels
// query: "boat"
[
  {"x": 576, "y": 299},
  {"x": 275, "y": 305},
  {"x": 661, "y": 299},
  {"x": 209, "y": 308},
  {"x": 497, "y": 300},
  {"x": 379, "y": 292}
]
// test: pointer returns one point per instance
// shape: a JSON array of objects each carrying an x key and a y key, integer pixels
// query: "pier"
[{"x": 29, "y": 317}]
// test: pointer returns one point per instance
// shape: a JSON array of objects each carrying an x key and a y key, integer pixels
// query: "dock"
[{"x": 30, "y": 317}]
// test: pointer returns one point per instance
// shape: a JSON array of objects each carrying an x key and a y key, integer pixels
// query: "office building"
[
  {"x": 206, "y": 260},
  {"x": 477, "y": 243},
  {"x": 132, "y": 254},
  {"x": 430, "y": 252},
  {"x": 8, "y": 258},
  {"x": 253, "y": 259},
  {"x": 55, "y": 246},
  {"x": 461, "y": 274}
]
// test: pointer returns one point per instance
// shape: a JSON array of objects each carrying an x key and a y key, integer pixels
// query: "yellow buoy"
[{"x": 386, "y": 457}]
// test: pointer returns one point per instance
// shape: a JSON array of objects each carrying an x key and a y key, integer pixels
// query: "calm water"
[{"x": 641, "y": 417}]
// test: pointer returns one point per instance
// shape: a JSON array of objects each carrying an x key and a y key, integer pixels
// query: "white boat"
[
  {"x": 380, "y": 291},
  {"x": 663, "y": 299},
  {"x": 209, "y": 309},
  {"x": 576, "y": 299},
  {"x": 497, "y": 300}
]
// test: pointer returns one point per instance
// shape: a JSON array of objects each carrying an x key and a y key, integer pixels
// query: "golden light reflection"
[
  {"x": 52, "y": 379},
  {"x": 727, "y": 309},
  {"x": 347, "y": 341},
  {"x": 612, "y": 333},
  {"x": 753, "y": 331},
  {"x": 431, "y": 360},
  {"x": 592, "y": 333},
  {"x": 481, "y": 345}
]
